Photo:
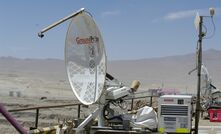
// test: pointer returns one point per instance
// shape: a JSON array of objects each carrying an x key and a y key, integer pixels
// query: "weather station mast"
[{"x": 201, "y": 35}]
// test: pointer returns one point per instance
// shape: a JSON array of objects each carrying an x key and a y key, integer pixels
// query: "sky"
[{"x": 131, "y": 29}]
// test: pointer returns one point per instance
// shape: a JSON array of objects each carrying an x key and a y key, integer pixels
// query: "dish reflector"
[
  {"x": 85, "y": 58},
  {"x": 205, "y": 81}
]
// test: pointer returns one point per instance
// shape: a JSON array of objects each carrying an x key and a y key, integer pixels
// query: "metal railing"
[
  {"x": 37, "y": 108},
  {"x": 149, "y": 102},
  {"x": 142, "y": 97},
  {"x": 46, "y": 107}
]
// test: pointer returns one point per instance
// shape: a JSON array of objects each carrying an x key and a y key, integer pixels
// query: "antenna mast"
[{"x": 199, "y": 24}]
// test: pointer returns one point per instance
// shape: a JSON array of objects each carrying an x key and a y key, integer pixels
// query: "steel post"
[
  {"x": 36, "y": 118},
  {"x": 199, "y": 64}
]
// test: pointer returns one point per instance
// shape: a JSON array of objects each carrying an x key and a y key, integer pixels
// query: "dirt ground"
[
  {"x": 49, "y": 117},
  {"x": 24, "y": 84}
]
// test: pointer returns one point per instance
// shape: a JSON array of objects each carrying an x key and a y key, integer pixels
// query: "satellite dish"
[
  {"x": 85, "y": 58},
  {"x": 205, "y": 81}
]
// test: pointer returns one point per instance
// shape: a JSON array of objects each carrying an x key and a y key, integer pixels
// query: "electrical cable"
[
  {"x": 214, "y": 30},
  {"x": 205, "y": 30}
]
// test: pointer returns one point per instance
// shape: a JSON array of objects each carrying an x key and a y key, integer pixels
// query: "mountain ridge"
[{"x": 164, "y": 72}]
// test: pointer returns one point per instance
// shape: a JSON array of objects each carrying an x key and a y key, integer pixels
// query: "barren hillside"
[{"x": 44, "y": 75}]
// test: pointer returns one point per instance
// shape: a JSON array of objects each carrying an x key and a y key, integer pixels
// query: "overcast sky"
[{"x": 131, "y": 29}]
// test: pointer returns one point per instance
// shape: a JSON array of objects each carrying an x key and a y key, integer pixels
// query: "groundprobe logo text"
[{"x": 88, "y": 41}]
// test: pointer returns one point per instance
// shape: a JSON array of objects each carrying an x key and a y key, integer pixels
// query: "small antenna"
[{"x": 212, "y": 11}]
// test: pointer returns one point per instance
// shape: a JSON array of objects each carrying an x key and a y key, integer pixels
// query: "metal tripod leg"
[{"x": 88, "y": 119}]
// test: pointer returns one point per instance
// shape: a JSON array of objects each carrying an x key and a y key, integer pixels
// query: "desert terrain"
[{"x": 40, "y": 82}]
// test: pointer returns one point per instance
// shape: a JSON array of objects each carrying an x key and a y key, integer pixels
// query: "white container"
[{"x": 175, "y": 114}]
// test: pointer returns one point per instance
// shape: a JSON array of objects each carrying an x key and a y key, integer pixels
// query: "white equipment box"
[{"x": 175, "y": 114}]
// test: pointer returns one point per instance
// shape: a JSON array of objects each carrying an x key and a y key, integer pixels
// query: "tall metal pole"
[{"x": 199, "y": 63}]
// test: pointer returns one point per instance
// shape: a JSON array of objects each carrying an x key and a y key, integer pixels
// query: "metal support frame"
[
  {"x": 88, "y": 119},
  {"x": 41, "y": 33},
  {"x": 151, "y": 101},
  {"x": 79, "y": 111},
  {"x": 132, "y": 104}
]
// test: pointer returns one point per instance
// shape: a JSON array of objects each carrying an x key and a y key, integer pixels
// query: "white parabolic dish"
[{"x": 85, "y": 58}]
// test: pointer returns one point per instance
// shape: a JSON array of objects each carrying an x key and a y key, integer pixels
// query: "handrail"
[
  {"x": 141, "y": 97},
  {"x": 66, "y": 105},
  {"x": 37, "y": 108},
  {"x": 43, "y": 107}
]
